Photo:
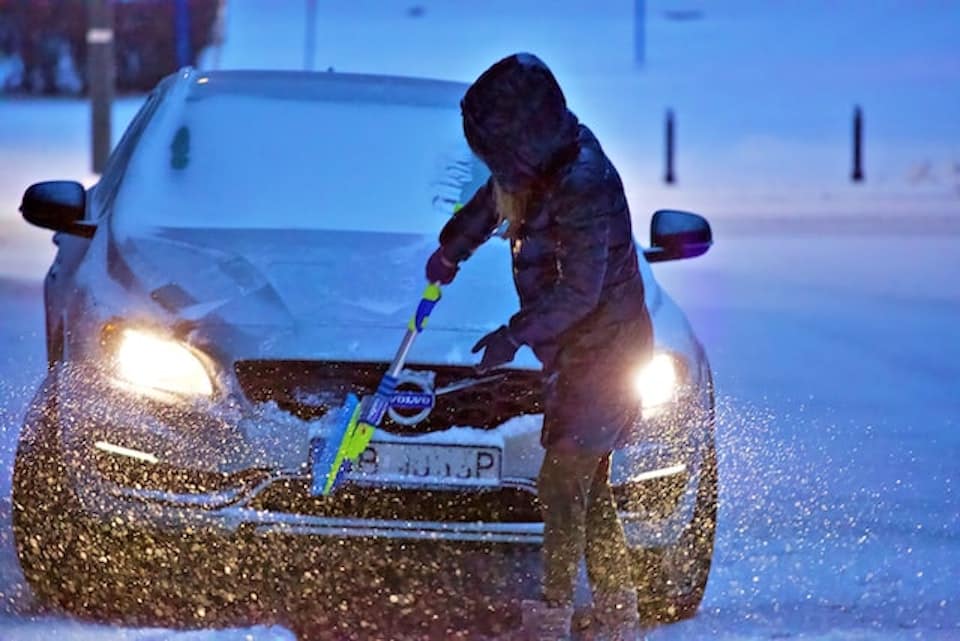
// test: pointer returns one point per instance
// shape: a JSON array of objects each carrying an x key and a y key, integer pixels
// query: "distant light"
[
  {"x": 126, "y": 451},
  {"x": 99, "y": 36},
  {"x": 203, "y": 81},
  {"x": 659, "y": 473}
]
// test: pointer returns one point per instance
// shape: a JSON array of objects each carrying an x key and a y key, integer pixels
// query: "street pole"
[
  {"x": 100, "y": 73},
  {"x": 181, "y": 25},
  {"x": 310, "y": 37},
  {"x": 639, "y": 32}
]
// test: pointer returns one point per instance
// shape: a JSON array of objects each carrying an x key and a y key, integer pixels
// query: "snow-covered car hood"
[{"x": 264, "y": 293}]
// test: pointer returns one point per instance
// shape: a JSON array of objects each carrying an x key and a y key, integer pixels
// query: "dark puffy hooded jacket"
[{"x": 575, "y": 264}]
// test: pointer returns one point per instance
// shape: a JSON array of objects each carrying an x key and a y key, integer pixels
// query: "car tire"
[
  {"x": 114, "y": 571},
  {"x": 49, "y": 528},
  {"x": 70, "y": 561},
  {"x": 671, "y": 580}
]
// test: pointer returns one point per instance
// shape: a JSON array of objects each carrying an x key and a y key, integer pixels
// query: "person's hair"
[{"x": 511, "y": 207}]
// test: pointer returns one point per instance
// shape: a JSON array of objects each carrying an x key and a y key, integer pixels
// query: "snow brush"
[{"x": 334, "y": 452}]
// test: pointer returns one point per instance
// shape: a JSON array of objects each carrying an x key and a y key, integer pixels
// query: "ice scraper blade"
[{"x": 334, "y": 451}]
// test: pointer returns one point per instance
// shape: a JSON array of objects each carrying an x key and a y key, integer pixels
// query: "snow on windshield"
[{"x": 252, "y": 161}]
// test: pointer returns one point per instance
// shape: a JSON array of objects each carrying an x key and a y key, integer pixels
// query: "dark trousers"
[{"x": 580, "y": 517}]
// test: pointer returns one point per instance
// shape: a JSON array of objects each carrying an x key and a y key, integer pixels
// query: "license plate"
[{"x": 423, "y": 464}]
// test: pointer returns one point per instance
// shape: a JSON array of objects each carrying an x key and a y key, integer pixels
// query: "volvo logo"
[{"x": 414, "y": 399}]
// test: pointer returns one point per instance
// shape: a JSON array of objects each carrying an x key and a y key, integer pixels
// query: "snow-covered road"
[{"x": 837, "y": 361}]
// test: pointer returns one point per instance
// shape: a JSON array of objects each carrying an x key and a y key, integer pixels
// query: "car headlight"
[
  {"x": 154, "y": 364},
  {"x": 656, "y": 383}
]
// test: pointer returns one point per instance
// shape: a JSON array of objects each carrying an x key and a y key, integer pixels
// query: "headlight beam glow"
[
  {"x": 656, "y": 383},
  {"x": 153, "y": 363}
]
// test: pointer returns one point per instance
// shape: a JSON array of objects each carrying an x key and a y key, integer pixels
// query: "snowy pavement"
[{"x": 837, "y": 362}]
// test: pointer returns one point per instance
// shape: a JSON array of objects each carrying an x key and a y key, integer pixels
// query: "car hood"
[{"x": 317, "y": 294}]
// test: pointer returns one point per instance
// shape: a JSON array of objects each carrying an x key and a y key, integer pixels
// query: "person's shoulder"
[{"x": 590, "y": 170}]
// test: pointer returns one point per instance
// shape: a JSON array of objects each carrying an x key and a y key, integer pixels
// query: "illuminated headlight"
[
  {"x": 656, "y": 383},
  {"x": 153, "y": 364}
]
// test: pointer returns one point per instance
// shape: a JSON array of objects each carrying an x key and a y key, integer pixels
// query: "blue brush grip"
[
  {"x": 388, "y": 385},
  {"x": 423, "y": 312},
  {"x": 376, "y": 406}
]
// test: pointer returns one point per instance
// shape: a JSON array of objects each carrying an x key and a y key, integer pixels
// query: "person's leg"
[
  {"x": 608, "y": 557},
  {"x": 564, "y": 489},
  {"x": 608, "y": 563}
]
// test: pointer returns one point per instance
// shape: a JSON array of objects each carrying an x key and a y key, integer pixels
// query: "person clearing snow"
[{"x": 582, "y": 312}]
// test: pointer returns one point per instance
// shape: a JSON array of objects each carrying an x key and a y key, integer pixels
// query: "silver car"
[{"x": 253, "y": 253}]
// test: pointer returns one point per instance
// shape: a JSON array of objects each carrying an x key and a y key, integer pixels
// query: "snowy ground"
[
  {"x": 837, "y": 368},
  {"x": 836, "y": 349}
]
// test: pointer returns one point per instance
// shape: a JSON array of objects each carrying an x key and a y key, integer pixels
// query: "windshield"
[{"x": 347, "y": 158}]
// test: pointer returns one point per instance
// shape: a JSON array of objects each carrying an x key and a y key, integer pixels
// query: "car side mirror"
[
  {"x": 677, "y": 234},
  {"x": 58, "y": 205}
]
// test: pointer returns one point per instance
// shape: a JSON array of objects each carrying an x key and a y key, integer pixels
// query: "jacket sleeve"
[
  {"x": 471, "y": 226},
  {"x": 582, "y": 248}
]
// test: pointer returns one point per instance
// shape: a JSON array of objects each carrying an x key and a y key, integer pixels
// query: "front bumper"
[{"x": 242, "y": 471}]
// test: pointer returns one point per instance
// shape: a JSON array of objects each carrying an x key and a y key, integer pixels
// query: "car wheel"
[
  {"x": 113, "y": 571},
  {"x": 671, "y": 581},
  {"x": 49, "y": 528}
]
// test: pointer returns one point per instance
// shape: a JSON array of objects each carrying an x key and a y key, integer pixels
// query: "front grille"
[
  {"x": 500, "y": 505},
  {"x": 309, "y": 389}
]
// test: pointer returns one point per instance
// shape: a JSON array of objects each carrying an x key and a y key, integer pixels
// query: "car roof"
[{"x": 328, "y": 85}]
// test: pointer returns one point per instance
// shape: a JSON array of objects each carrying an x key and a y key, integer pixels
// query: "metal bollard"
[
  {"x": 857, "y": 173},
  {"x": 669, "y": 176}
]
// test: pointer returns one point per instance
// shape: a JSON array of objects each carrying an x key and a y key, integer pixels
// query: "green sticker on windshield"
[{"x": 180, "y": 148}]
